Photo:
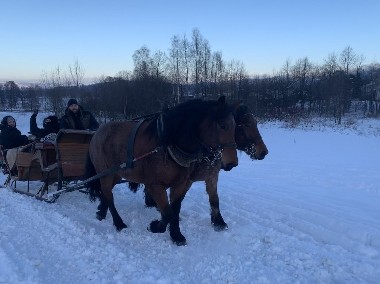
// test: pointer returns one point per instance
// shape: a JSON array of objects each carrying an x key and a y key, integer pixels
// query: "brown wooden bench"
[{"x": 72, "y": 149}]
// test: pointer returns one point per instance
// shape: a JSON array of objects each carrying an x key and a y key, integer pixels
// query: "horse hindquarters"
[{"x": 106, "y": 148}]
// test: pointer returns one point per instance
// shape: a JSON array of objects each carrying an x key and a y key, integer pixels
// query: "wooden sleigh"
[{"x": 51, "y": 165}]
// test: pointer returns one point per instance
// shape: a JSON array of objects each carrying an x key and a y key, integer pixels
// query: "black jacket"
[
  {"x": 11, "y": 137},
  {"x": 51, "y": 127},
  {"x": 81, "y": 120}
]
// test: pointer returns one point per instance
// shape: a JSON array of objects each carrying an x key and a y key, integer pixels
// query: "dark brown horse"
[
  {"x": 248, "y": 139},
  {"x": 166, "y": 149}
]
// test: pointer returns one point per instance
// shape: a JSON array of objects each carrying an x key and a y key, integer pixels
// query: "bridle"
[
  {"x": 207, "y": 153},
  {"x": 250, "y": 148},
  {"x": 213, "y": 154}
]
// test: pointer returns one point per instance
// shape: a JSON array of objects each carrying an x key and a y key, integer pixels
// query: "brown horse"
[
  {"x": 248, "y": 139},
  {"x": 166, "y": 149}
]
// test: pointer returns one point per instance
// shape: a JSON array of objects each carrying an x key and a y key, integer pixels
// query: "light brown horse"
[
  {"x": 248, "y": 139},
  {"x": 165, "y": 151}
]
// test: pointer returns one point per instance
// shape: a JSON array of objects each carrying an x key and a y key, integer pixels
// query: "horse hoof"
[
  {"x": 179, "y": 240},
  {"x": 220, "y": 227},
  {"x": 100, "y": 216},
  {"x": 180, "y": 243},
  {"x": 218, "y": 223},
  {"x": 156, "y": 226},
  {"x": 176, "y": 236},
  {"x": 120, "y": 227}
]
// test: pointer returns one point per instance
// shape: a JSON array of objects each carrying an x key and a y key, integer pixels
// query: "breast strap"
[{"x": 131, "y": 144}]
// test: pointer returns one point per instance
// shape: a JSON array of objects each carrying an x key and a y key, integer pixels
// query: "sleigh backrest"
[{"x": 72, "y": 148}]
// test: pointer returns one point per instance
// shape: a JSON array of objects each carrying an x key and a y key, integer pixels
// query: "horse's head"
[
  {"x": 200, "y": 129},
  {"x": 217, "y": 132},
  {"x": 247, "y": 135}
]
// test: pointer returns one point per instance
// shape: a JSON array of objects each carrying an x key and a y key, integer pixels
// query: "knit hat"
[
  {"x": 51, "y": 119},
  {"x": 72, "y": 102},
  {"x": 4, "y": 121}
]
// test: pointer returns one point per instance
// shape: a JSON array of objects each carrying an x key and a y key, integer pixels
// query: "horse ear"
[
  {"x": 222, "y": 100},
  {"x": 236, "y": 104}
]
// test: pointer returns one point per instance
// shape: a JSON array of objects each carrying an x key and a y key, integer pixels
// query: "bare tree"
[
  {"x": 301, "y": 72},
  {"x": 348, "y": 59},
  {"x": 54, "y": 87},
  {"x": 286, "y": 69},
  {"x": 235, "y": 73},
  {"x": 196, "y": 51},
  {"x": 206, "y": 66},
  {"x": 142, "y": 63},
  {"x": 331, "y": 65},
  {"x": 12, "y": 93},
  {"x": 2, "y": 97},
  {"x": 31, "y": 97},
  {"x": 186, "y": 58},
  {"x": 180, "y": 58},
  {"x": 217, "y": 72},
  {"x": 158, "y": 64},
  {"x": 76, "y": 73},
  {"x": 125, "y": 75},
  {"x": 175, "y": 66}
]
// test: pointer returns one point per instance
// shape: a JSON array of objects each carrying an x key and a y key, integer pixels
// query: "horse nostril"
[
  {"x": 262, "y": 155},
  {"x": 228, "y": 167}
]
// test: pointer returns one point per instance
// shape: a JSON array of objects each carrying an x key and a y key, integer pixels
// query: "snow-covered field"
[{"x": 308, "y": 213}]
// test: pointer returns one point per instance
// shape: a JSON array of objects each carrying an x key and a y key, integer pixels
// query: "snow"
[{"x": 308, "y": 213}]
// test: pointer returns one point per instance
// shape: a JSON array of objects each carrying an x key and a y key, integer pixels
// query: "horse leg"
[
  {"x": 177, "y": 194},
  {"x": 149, "y": 201},
  {"x": 175, "y": 231},
  {"x": 102, "y": 209},
  {"x": 160, "y": 197},
  {"x": 107, "y": 184},
  {"x": 216, "y": 217}
]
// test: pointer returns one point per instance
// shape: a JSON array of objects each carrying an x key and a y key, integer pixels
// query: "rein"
[
  {"x": 106, "y": 172},
  {"x": 128, "y": 164}
]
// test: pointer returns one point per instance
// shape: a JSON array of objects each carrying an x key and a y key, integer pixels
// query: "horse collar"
[{"x": 182, "y": 158}]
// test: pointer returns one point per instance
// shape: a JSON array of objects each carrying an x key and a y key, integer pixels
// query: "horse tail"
[
  {"x": 93, "y": 186},
  {"x": 133, "y": 186}
]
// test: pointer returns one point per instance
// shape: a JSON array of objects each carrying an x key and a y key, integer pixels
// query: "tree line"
[{"x": 190, "y": 69}]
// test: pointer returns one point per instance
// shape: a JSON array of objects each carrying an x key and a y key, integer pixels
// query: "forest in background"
[{"x": 190, "y": 69}]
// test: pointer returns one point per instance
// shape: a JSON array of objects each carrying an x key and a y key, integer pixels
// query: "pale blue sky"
[{"x": 39, "y": 35}]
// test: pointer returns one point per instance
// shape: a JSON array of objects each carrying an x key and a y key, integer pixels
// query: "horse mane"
[{"x": 183, "y": 120}]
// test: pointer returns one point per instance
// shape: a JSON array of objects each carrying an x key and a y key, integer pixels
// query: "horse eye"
[{"x": 223, "y": 126}]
